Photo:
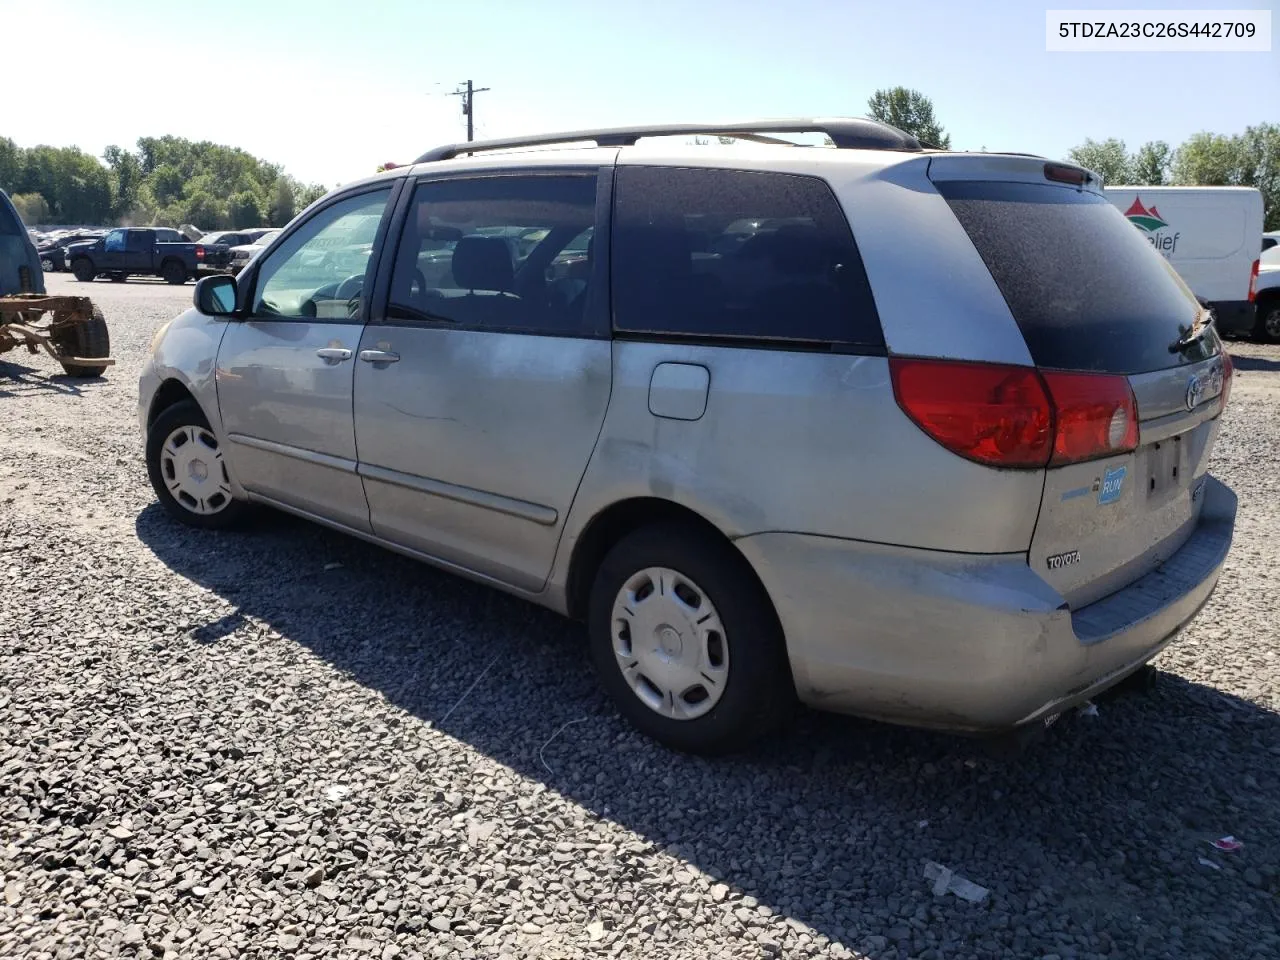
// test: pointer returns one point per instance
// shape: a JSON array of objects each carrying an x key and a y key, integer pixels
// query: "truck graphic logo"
[
  {"x": 1149, "y": 221},
  {"x": 1145, "y": 218}
]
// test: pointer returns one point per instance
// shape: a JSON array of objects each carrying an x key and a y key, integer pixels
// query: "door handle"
[
  {"x": 379, "y": 356},
  {"x": 333, "y": 354}
]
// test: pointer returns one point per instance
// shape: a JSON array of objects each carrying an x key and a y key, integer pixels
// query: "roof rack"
[{"x": 846, "y": 133}]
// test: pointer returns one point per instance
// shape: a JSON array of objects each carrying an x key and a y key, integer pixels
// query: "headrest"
[{"x": 483, "y": 263}]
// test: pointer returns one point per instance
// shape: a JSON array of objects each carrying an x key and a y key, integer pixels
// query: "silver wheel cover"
[{"x": 669, "y": 643}]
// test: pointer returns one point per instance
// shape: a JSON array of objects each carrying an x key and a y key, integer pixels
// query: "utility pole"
[{"x": 467, "y": 94}]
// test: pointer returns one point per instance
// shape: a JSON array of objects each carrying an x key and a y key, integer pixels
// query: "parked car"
[
  {"x": 242, "y": 254},
  {"x": 53, "y": 258},
  {"x": 150, "y": 251},
  {"x": 19, "y": 263},
  {"x": 1210, "y": 235},
  {"x": 1266, "y": 293},
  {"x": 947, "y": 468}
]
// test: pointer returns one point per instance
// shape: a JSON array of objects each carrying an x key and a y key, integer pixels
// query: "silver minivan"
[{"x": 917, "y": 435}]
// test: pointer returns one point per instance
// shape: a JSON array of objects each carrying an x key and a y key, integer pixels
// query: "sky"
[{"x": 330, "y": 89}]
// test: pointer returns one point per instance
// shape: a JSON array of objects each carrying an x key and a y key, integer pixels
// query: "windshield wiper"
[{"x": 1196, "y": 333}]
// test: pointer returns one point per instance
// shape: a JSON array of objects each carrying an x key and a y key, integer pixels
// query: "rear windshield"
[{"x": 1087, "y": 290}]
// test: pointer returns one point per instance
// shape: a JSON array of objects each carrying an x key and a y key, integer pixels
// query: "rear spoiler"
[{"x": 1019, "y": 168}]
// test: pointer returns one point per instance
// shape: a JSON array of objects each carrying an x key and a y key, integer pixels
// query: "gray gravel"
[{"x": 284, "y": 742}]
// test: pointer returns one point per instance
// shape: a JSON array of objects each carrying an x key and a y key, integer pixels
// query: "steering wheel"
[{"x": 350, "y": 287}]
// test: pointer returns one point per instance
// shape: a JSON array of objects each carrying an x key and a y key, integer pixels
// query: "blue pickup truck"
[{"x": 145, "y": 251}]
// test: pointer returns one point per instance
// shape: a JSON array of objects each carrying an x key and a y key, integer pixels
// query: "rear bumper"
[
  {"x": 967, "y": 642},
  {"x": 1234, "y": 316}
]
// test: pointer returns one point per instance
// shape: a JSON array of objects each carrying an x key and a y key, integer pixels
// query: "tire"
[
  {"x": 174, "y": 272},
  {"x": 1267, "y": 328},
  {"x": 220, "y": 509},
  {"x": 745, "y": 660},
  {"x": 46, "y": 264},
  {"x": 83, "y": 270},
  {"x": 83, "y": 341}
]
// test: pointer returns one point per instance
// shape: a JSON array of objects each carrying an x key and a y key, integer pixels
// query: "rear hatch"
[{"x": 1118, "y": 341}]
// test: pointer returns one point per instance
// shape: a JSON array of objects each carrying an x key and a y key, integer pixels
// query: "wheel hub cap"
[
  {"x": 669, "y": 643},
  {"x": 192, "y": 468}
]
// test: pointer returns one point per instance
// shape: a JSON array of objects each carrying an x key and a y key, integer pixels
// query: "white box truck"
[{"x": 1211, "y": 236}]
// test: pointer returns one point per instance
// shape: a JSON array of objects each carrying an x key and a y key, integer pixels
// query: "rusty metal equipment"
[{"x": 70, "y": 329}]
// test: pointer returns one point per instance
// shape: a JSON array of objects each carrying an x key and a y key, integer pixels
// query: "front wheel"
[
  {"x": 46, "y": 264},
  {"x": 187, "y": 470},
  {"x": 1268, "y": 326},
  {"x": 686, "y": 642},
  {"x": 174, "y": 272},
  {"x": 83, "y": 270}
]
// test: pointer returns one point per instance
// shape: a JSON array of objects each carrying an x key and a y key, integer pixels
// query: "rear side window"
[
  {"x": 1086, "y": 289},
  {"x": 509, "y": 252},
  {"x": 737, "y": 255}
]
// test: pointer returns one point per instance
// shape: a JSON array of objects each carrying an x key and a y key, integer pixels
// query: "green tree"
[
  {"x": 11, "y": 163},
  {"x": 1209, "y": 160},
  {"x": 283, "y": 206},
  {"x": 245, "y": 210},
  {"x": 31, "y": 207},
  {"x": 126, "y": 171},
  {"x": 1109, "y": 159},
  {"x": 1150, "y": 165},
  {"x": 310, "y": 194},
  {"x": 909, "y": 110}
]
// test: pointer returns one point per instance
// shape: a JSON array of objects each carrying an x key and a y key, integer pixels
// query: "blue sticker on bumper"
[{"x": 1112, "y": 485}]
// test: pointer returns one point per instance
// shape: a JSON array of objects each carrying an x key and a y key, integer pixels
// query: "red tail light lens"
[
  {"x": 1096, "y": 416},
  {"x": 998, "y": 415},
  {"x": 1253, "y": 281},
  {"x": 199, "y": 253},
  {"x": 1008, "y": 416}
]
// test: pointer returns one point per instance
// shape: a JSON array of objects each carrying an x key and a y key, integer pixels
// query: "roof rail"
[{"x": 846, "y": 133}]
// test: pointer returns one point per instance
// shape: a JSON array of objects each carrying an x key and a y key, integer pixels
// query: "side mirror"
[{"x": 216, "y": 296}]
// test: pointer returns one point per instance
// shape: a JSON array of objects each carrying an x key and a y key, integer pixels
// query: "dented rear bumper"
[{"x": 970, "y": 642}]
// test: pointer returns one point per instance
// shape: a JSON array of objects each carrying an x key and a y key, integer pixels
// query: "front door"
[
  {"x": 285, "y": 373},
  {"x": 480, "y": 395},
  {"x": 112, "y": 255}
]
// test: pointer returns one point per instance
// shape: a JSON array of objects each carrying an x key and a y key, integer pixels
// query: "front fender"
[{"x": 186, "y": 352}]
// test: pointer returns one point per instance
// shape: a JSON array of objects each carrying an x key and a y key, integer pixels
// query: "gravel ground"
[{"x": 286, "y": 742}]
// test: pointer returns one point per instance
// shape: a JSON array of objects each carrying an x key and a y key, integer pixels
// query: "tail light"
[
  {"x": 199, "y": 252},
  {"x": 1253, "y": 281},
  {"x": 1096, "y": 416},
  {"x": 1010, "y": 416}
]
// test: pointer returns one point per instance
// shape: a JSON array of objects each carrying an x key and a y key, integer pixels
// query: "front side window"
[
  {"x": 735, "y": 254},
  {"x": 319, "y": 272},
  {"x": 506, "y": 252},
  {"x": 114, "y": 242}
]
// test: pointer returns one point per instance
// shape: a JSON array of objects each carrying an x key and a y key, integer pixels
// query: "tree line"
[
  {"x": 1249, "y": 159},
  {"x": 166, "y": 181}
]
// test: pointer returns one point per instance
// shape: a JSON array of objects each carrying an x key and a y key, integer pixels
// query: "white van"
[{"x": 1211, "y": 235}]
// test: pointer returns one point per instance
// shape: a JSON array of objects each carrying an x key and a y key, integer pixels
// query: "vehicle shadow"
[
  {"x": 17, "y": 380},
  {"x": 830, "y": 824},
  {"x": 1250, "y": 362}
]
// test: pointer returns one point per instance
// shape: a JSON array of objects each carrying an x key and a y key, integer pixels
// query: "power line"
[{"x": 467, "y": 94}]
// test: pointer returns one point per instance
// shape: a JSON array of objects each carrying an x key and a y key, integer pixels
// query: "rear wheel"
[
  {"x": 686, "y": 642},
  {"x": 46, "y": 264},
  {"x": 186, "y": 467},
  {"x": 83, "y": 270},
  {"x": 84, "y": 341},
  {"x": 174, "y": 272},
  {"x": 1267, "y": 328}
]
